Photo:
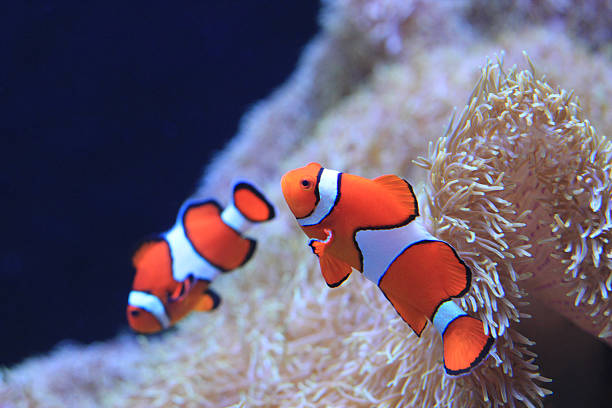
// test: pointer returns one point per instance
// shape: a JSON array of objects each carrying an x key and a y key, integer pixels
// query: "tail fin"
[
  {"x": 465, "y": 345},
  {"x": 248, "y": 206},
  {"x": 210, "y": 300},
  {"x": 251, "y": 203}
]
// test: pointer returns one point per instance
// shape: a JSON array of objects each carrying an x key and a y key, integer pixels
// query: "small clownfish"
[
  {"x": 372, "y": 226},
  {"x": 174, "y": 271}
]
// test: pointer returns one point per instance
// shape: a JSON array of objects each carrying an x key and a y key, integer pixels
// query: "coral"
[
  {"x": 589, "y": 20},
  {"x": 389, "y": 24},
  {"x": 359, "y": 103}
]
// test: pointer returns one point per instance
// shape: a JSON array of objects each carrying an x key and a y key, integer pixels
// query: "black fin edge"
[
  {"x": 340, "y": 282},
  {"x": 468, "y": 277},
  {"x": 214, "y": 296},
  {"x": 479, "y": 359},
  {"x": 418, "y": 333}
]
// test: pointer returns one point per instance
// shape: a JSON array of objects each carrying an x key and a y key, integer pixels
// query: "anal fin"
[{"x": 415, "y": 319}]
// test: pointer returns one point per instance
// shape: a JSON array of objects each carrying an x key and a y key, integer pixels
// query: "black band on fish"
[
  {"x": 317, "y": 197},
  {"x": 328, "y": 188}
]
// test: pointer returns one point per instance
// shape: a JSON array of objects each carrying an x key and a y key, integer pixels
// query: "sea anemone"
[
  {"x": 523, "y": 174},
  {"x": 521, "y": 185}
]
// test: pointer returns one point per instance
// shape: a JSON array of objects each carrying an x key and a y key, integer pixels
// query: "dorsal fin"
[
  {"x": 401, "y": 190},
  {"x": 144, "y": 247},
  {"x": 140, "y": 252},
  {"x": 153, "y": 264}
]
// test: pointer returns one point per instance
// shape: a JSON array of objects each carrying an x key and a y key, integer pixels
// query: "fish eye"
[
  {"x": 135, "y": 313},
  {"x": 306, "y": 184}
]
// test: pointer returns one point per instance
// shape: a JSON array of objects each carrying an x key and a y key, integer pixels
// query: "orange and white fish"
[
  {"x": 373, "y": 227},
  {"x": 174, "y": 271}
]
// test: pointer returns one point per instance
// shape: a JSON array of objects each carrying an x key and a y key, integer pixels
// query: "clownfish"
[
  {"x": 373, "y": 226},
  {"x": 175, "y": 269}
]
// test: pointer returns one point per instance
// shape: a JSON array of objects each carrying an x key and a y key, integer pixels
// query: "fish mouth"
[{"x": 285, "y": 184}]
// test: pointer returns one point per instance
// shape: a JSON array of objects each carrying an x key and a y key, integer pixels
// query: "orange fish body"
[
  {"x": 174, "y": 271},
  {"x": 373, "y": 227}
]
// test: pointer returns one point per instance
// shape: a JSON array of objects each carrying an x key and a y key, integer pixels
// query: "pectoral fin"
[
  {"x": 181, "y": 289},
  {"x": 334, "y": 270},
  {"x": 319, "y": 246}
]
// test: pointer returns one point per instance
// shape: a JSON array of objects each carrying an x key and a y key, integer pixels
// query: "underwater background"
[
  {"x": 104, "y": 136},
  {"x": 111, "y": 114}
]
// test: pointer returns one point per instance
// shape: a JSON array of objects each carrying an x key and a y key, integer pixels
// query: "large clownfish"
[
  {"x": 372, "y": 226},
  {"x": 174, "y": 271}
]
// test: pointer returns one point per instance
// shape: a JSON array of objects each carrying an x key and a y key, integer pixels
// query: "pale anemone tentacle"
[{"x": 517, "y": 182}]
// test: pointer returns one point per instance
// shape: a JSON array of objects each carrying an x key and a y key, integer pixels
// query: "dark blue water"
[{"x": 108, "y": 113}]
